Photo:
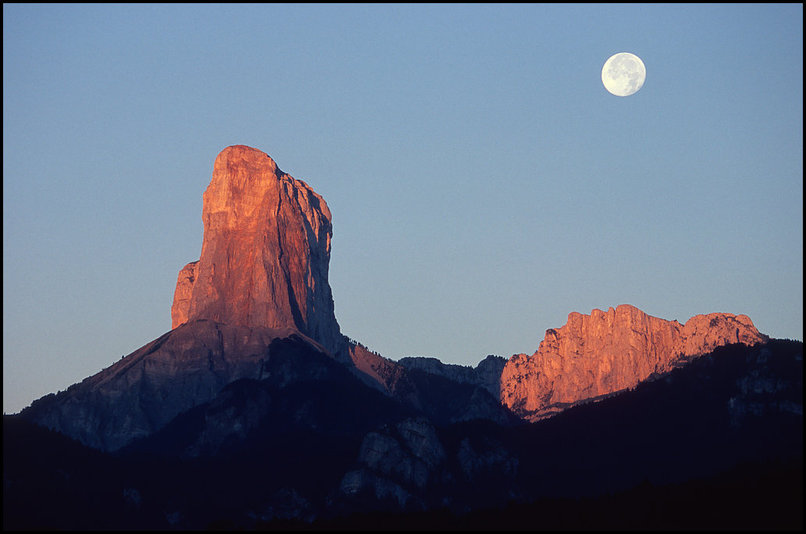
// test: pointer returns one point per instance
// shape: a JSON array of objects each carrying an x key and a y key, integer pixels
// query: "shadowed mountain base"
[{"x": 715, "y": 444}]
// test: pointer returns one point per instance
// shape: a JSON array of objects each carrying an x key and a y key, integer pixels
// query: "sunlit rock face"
[
  {"x": 606, "y": 352},
  {"x": 182, "y": 294},
  {"x": 265, "y": 252},
  {"x": 262, "y": 275}
]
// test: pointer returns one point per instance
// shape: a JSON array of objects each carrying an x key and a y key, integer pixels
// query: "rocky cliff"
[
  {"x": 265, "y": 252},
  {"x": 605, "y": 352},
  {"x": 262, "y": 276},
  {"x": 182, "y": 294}
]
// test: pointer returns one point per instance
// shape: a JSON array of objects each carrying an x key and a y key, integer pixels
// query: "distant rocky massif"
[
  {"x": 606, "y": 352},
  {"x": 256, "y": 362}
]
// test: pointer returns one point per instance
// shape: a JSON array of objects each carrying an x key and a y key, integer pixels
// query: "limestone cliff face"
[
  {"x": 262, "y": 276},
  {"x": 606, "y": 352},
  {"x": 182, "y": 294},
  {"x": 265, "y": 252}
]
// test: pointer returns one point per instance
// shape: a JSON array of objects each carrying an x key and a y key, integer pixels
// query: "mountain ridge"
[
  {"x": 262, "y": 276},
  {"x": 254, "y": 410},
  {"x": 606, "y": 352}
]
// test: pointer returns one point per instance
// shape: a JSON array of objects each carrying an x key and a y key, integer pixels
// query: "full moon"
[{"x": 623, "y": 74}]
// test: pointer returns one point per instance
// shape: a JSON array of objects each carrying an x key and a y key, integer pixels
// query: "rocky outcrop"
[
  {"x": 605, "y": 352},
  {"x": 379, "y": 372},
  {"x": 445, "y": 393},
  {"x": 396, "y": 462},
  {"x": 486, "y": 374},
  {"x": 182, "y": 294},
  {"x": 265, "y": 252}
]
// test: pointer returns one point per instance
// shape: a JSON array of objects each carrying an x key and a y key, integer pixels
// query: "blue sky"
[{"x": 482, "y": 181}]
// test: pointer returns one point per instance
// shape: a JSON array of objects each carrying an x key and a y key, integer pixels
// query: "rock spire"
[{"x": 265, "y": 252}]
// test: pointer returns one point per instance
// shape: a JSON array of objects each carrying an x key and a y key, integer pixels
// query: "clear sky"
[{"x": 483, "y": 183}]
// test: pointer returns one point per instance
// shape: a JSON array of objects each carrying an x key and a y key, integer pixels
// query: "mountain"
[
  {"x": 486, "y": 374},
  {"x": 736, "y": 406},
  {"x": 599, "y": 354},
  {"x": 262, "y": 276},
  {"x": 254, "y": 409},
  {"x": 716, "y": 443}
]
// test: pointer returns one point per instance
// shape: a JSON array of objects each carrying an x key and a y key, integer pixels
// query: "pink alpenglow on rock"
[
  {"x": 265, "y": 252},
  {"x": 262, "y": 277},
  {"x": 182, "y": 294},
  {"x": 605, "y": 352}
]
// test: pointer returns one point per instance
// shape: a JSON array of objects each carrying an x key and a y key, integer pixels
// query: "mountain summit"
[{"x": 265, "y": 253}]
